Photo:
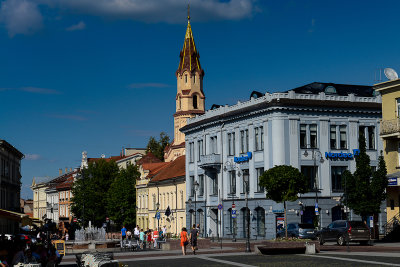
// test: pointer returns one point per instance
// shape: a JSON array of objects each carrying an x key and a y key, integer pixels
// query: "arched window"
[
  {"x": 244, "y": 213},
  {"x": 179, "y": 103},
  {"x": 200, "y": 221},
  {"x": 191, "y": 218},
  {"x": 185, "y": 78},
  {"x": 260, "y": 221},
  {"x": 195, "y": 101}
]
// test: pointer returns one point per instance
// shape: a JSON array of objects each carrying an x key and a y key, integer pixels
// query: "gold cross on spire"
[{"x": 188, "y": 12}]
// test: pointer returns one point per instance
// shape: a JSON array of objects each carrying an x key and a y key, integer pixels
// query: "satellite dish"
[{"x": 391, "y": 74}]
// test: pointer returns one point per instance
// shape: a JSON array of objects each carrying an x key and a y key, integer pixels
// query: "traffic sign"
[
  {"x": 233, "y": 205},
  {"x": 220, "y": 206},
  {"x": 316, "y": 209},
  {"x": 75, "y": 219},
  {"x": 158, "y": 215},
  {"x": 233, "y": 213}
]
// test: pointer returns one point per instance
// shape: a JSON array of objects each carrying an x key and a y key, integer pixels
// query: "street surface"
[{"x": 331, "y": 255}]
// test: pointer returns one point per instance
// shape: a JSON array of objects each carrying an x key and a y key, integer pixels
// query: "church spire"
[{"x": 189, "y": 56}]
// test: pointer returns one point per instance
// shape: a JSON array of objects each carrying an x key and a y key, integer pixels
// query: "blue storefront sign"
[
  {"x": 393, "y": 181},
  {"x": 243, "y": 158},
  {"x": 342, "y": 155}
]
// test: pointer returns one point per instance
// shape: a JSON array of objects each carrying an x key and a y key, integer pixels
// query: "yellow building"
[
  {"x": 149, "y": 166},
  {"x": 167, "y": 189},
  {"x": 390, "y": 133},
  {"x": 39, "y": 185}
]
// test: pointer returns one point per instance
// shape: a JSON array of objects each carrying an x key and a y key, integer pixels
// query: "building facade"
[
  {"x": 167, "y": 190},
  {"x": 390, "y": 133},
  {"x": 10, "y": 186},
  {"x": 39, "y": 186},
  {"x": 314, "y": 128}
]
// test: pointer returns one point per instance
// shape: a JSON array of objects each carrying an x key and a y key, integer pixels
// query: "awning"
[{"x": 15, "y": 216}]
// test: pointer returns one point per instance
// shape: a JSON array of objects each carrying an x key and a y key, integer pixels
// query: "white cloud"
[
  {"x": 32, "y": 157},
  {"x": 77, "y": 27},
  {"x": 20, "y": 17}
]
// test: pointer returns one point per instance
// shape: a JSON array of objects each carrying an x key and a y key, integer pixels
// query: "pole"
[
  {"x": 315, "y": 182},
  {"x": 195, "y": 211},
  {"x": 248, "y": 221}
]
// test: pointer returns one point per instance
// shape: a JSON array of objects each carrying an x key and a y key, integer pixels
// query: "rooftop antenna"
[
  {"x": 391, "y": 74},
  {"x": 378, "y": 77}
]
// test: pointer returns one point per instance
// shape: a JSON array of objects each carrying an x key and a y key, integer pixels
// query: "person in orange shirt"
[
  {"x": 184, "y": 240},
  {"x": 155, "y": 237}
]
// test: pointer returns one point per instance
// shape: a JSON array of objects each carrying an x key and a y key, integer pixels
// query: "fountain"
[{"x": 90, "y": 238}]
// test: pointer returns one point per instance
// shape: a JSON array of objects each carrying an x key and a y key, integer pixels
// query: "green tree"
[
  {"x": 90, "y": 191},
  {"x": 121, "y": 197},
  {"x": 283, "y": 183},
  {"x": 157, "y": 147},
  {"x": 365, "y": 189}
]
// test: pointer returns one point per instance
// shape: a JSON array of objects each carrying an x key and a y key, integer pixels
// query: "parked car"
[
  {"x": 342, "y": 231},
  {"x": 300, "y": 230}
]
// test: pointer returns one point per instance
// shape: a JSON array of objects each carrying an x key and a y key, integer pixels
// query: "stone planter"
[{"x": 286, "y": 247}]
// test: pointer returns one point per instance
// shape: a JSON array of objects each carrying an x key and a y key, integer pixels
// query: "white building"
[{"x": 298, "y": 128}]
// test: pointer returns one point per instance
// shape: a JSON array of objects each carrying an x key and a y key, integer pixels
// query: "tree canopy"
[
  {"x": 93, "y": 193},
  {"x": 283, "y": 183},
  {"x": 365, "y": 189},
  {"x": 157, "y": 147}
]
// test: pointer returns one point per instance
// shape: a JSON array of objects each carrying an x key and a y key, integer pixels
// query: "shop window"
[{"x": 336, "y": 178}]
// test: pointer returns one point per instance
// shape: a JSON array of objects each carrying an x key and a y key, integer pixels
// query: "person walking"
[
  {"x": 136, "y": 234},
  {"x": 123, "y": 232},
  {"x": 155, "y": 237},
  {"x": 193, "y": 238},
  {"x": 184, "y": 240},
  {"x": 149, "y": 237},
  {"x": 142, "y": 239}
]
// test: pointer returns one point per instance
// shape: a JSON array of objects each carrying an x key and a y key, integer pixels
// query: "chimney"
[
  {"x": 70, "y": 169},
  {"x": 66, "y": 169},
  {"x": 59, "y": 171}
]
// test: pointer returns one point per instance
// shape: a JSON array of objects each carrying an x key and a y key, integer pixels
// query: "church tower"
[{"x": 190, "y": 96}]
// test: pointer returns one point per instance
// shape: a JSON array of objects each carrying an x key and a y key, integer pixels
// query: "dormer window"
[{"x": 330, "y": 90}]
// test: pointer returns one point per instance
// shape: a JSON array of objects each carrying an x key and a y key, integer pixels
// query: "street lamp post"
[
  {"x": 195, "y": 186},
  {"x": 314, "y": 154},
  {"x": 229, "y": 165},
  {"x": 158, "y": 220},
  {"x": 246, "y": 183}
]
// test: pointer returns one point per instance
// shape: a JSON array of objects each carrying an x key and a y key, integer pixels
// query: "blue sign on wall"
[
  {"x": 341, "y": 155},
  {"x": 243, "y": 158}
]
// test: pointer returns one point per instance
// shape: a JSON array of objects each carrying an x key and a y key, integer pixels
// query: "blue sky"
[{"x": 99, "y": 75}]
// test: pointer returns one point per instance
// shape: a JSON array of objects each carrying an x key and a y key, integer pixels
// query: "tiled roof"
[
  {"x": 42, "y": 180},
  {"x": 115, "y": 158},
  {"x": 173, "y": 169},
  {"x": 67, "y": 184},
  {"x": 154, "y": 168},
  {"x": 148, "y": 158}
]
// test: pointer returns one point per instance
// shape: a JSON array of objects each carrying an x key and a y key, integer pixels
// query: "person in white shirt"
[
  {"x": 136, "y": 233},
  {"x": 164, "y": 231}
]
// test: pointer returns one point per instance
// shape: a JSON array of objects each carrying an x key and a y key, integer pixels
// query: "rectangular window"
[
  {"x": 214, "y": 183},
  {"x": 191, "y": 186},
  {"x": 201, "y": 184},
  {"x": 336, "y": 173},
  {"x": 247, "y": 140},
  {"x": 392, "y": 204},
  {"x": 231, "y": 144},
  {"x": 232, "y": 182},
  {"x": 313, "y": 136},
  {"x": 343, "y": 136},
  {"x": 200, "y": 149},
  {"x": 398, "y": 107},
  {"x": 333, "y": 136},
  {"x": 191, "y": 152},
  {"x": 213, "y": 145},
  {"x": 303, "y": 136},
  {"x": 361, "y": 131},
  {"x": 259, "y": 172},
  {"x": 309, "y": 172},
  {"x": 245, "y": 177},
  {"x": 371, "y": 137},
  {"x": 242, "y": 145},
  {"x": 258, "y": 138}
]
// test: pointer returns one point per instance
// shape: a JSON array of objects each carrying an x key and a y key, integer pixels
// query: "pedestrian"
[
  {"x": 142, "y": 239},
  {"x": 123, "y": 232},
  {"x": 136, "y": 233},
  {"x": 149, "y": 237},
  {"x": 129, "y": 235},
  {"x": 184, "y": 240},
  {"x": 155, "y": 237},
  {"x": 193, "y": 238},
  {"x": 198, "y": 228},
  {"x": 164, "y": 230}
]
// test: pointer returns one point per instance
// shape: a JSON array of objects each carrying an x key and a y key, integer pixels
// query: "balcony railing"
[
  {"x": 390, "y": 127},
  {"x": 210, "y": 160}
]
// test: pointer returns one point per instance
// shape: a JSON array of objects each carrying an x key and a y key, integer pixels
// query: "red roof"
[
  {"x": 173, "y": 169},
  {"x": 67, "y": 184},
  {"x": 148, "y": 158},
  {"x": 154, "y": 168}
]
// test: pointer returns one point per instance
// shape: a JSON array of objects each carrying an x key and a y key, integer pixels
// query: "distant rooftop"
[{"x": 335, "y": 89}]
